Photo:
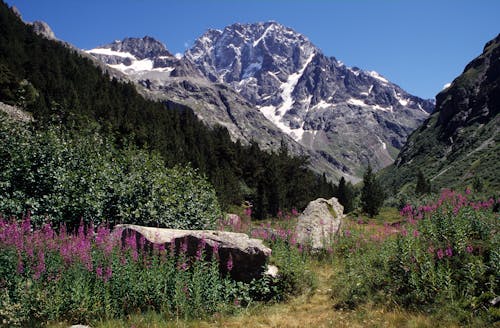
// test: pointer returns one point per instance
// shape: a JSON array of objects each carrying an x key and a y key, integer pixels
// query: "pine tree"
[
  {"x": 423, "y": 185},
  {"x": 345, "y": 194},
  {"x": 372, "y": 194}
]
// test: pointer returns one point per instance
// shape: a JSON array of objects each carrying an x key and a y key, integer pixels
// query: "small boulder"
[
  {"x": 248, "y": 255},
  {"x": 319, "y": 222}
]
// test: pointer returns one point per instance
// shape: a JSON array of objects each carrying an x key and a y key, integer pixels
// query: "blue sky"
[{"x": 419, "y": 45}]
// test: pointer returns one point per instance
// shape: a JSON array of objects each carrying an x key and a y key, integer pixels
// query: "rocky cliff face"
[
  {"x": 349, "y": 116},
  {"x": 460, "y": 140},
  {"x": 166, "y": 77},
  {"x": 267, "y": 82}
]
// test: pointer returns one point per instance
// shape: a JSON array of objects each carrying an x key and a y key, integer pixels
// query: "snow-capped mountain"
[
  {"x": 350, "y": 116},
  {"x": 172, "y": 78},
  {"x": 266, "y": 82}
]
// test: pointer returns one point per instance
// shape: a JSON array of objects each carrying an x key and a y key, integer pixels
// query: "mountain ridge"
[
  {"x": 301, "y": 90},
  {"x": 459, "y": 142},
  {"x": 343, "y": 117}
]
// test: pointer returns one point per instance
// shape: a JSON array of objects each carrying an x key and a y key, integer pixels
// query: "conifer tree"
[
  {"x": 345, "y": 194},
  {"x": 372, "y": 194},
  {"x": 423, "y": 185}
]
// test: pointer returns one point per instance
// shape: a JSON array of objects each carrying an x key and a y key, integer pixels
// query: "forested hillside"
[{"x": 62, "y": 88}]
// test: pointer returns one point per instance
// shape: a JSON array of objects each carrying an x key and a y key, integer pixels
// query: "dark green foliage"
[
  {"x": 372, "y": 194},
  {"x": 85, "y": 177},
  {"x": 423, "y": 185},
  {"x": 62, "y": 87},
  {"x": 346, "y": 195},
  {"x": 477, "y": 184}
]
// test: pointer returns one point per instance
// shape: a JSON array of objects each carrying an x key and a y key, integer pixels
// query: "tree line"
[{"x": 61, "y": 87}]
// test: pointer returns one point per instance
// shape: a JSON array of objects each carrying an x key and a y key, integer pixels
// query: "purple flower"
[
  {"x": 215, "y": 250},
  {"x": 440, "y": 253},
  {"x": 416, "y": 233},
  {"x": 98, "y": 271},
  {"x": 230, "y": 263},
  {"x": 184, "y": 246},
  {"x": 108, "y": 274},
  {"x": 40, "y": 267},
  {"x": 448, "y": 251},
  {"x": 201, "y": 247},
  {"x": 347, "y": 233},
  {"x": 469, "y": 249}
]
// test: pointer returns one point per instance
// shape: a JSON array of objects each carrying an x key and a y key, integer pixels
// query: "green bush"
[
  {"x": 445, "y": 256},
  {"x": 72, "y": 177}
]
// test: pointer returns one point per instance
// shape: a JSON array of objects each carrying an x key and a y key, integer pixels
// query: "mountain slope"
[
  {"x": 459, "y": 142},
  {"x": 64, "y": 90},
  {"x": 349, "y": 116},
  {"x": 165, "y": 77}
]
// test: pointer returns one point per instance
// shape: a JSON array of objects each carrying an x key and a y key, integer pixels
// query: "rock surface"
[
  {"x": 248, "y": 255},
  {"x": 460, "y": 140},
  {"x": 44, "y": 30},
  {"x": 16, "y": 113},
  {"x": 319, "y": 222},
  {"x": 266, "y": 82},
  {"x": 349, "y": 116}
]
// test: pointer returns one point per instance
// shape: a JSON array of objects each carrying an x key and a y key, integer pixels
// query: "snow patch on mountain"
[
  {"x": 377, "y": 76},
  {"x": 109, "y": 52}
]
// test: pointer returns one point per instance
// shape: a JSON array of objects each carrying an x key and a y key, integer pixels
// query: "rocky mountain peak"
[
  {"x": 141, "y": 48},
  {"x": 309, "y": 96},
  {"x": 43, "y": 29},
  {"x": 344, "y": 116}
]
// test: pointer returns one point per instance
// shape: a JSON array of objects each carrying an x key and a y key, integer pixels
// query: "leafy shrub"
[
  {"x": 446, "y": 253},
  {"x": 72, "y": 177}
]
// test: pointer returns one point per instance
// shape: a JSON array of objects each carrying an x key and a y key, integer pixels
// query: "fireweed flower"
[
  {"x": 440, "y": 253},
  {"x": 230, "y": 263},
  {"x": 469, "y": 249},
  {"x": 416, "y": 233},
  {"x": 108, "y": 274},
  {"x": 449, "y": 251}
]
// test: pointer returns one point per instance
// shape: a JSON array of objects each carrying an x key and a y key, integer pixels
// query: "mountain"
[
  {"x": 459, "y": 142},
  {"x": 63, "y": 91},
  {"x": 265, "y": 82},
  {"x": 349, "y": 116},
  {"x": 175, "y": 79}
]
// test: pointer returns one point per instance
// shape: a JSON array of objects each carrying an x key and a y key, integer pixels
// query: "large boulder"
[
  {"x": 319, "y": 222},
  {"x": 248, "y": 255}
]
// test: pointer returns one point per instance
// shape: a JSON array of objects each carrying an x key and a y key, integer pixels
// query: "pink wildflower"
[
  {"x": 416, "y": 233},
  {"x": 440, "y": 253},
  {"x": 449, "y": 251},
  {"x": 98, "y": 272},
  {"x": 469, "y": 249},
  {"x": 230, "y": 263}
]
